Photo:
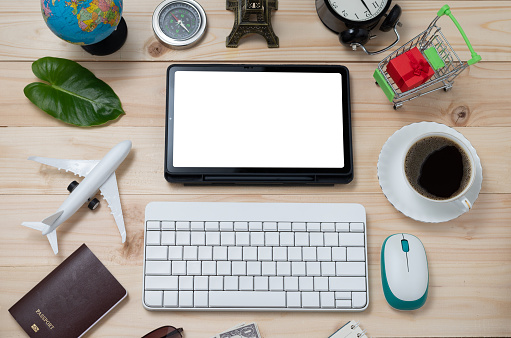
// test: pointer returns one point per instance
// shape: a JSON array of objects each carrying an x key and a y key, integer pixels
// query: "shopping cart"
[{"x": 444, "y": 61}]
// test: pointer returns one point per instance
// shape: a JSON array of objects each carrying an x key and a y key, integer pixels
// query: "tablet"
[{"x": 262, "y": 124}]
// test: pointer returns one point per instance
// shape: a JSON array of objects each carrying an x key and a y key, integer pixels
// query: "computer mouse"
[{"x": 404, "y": 272}]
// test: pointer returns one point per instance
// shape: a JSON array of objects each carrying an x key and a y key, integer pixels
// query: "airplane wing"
[
  {"x": 78, "y": 167},
  {"x": 110, "y": 193}
]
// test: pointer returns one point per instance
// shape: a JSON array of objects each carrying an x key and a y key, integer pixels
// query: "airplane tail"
[{"x": 44, "y": 226}]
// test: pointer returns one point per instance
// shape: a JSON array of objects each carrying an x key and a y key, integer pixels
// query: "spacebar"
[{"x": 247, "y": 299}]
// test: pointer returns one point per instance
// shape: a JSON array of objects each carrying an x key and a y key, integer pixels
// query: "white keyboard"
[{"x": 255, "y": 256}]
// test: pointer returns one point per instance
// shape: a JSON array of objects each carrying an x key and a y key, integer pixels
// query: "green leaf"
[{"x": 73, "y": 94}]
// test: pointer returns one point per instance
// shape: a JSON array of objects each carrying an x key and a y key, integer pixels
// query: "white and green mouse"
[{"x": 404, "y": 272}]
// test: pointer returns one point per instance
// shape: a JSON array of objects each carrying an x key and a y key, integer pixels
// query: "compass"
[{"x": 179, "y": 23}]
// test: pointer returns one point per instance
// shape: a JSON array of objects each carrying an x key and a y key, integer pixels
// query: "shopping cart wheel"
[
  {"x": 397, "y": 106},
  {"x": 376, "y": 83},
  {"x": 446, "y": 89}
]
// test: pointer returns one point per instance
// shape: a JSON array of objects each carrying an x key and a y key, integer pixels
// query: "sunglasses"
[{"x": 165, "y": 332}]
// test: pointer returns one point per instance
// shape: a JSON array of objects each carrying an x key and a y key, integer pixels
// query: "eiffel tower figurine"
[{"x": 252, "y": 16}]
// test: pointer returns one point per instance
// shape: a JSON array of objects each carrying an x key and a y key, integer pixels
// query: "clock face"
[{"x": 358, "y": 10}]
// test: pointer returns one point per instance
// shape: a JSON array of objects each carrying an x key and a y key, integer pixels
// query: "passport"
[{"x": 71, "y": 299}]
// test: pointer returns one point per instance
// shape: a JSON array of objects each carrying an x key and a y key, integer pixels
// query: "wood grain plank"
[
  {"x": 142, "y": 171},
  {"x": 468, "y": 262},
  {"x": 302, "y": 35},
  {"x": 479, "y": 96}
]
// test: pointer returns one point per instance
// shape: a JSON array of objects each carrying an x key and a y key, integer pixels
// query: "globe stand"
[{"x": 112, "y": 43}]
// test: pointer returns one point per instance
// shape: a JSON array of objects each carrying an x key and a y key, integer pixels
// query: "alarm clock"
[{"x": 353, "y": 20}]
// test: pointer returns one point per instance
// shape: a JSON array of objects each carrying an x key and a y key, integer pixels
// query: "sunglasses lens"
[{"x": 164, "y": 332}]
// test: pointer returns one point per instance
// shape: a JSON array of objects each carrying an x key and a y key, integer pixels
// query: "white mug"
[{"x": 459, "y": 198}]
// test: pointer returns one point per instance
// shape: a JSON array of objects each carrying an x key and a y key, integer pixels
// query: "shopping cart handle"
[{"x": 446, "y": 10}]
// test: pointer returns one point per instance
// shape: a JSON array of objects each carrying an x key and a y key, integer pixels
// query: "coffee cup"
[{"x": 440, "y": 168}]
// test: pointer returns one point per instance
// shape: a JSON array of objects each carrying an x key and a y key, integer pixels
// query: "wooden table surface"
[{"x": 469, "y": 258}]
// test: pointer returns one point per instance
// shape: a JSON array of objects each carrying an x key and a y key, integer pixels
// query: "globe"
[{"x": 82, "y": 22}]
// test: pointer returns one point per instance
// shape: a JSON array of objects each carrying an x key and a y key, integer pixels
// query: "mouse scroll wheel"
[{"x": 404, "y": 245}]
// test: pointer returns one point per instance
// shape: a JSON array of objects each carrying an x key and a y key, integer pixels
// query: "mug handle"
[{"x": 464, "y": 203}]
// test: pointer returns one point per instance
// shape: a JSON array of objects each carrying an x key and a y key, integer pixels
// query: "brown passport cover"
[{"x": 71, "y": 299}]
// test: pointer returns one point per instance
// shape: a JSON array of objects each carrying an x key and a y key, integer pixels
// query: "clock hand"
[{"x": 366, "y": 7}]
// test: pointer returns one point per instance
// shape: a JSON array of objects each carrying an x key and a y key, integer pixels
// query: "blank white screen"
[{"x": 258, "y": 120}]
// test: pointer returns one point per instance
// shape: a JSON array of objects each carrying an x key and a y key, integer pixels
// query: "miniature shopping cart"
[{"x": 436, "y": 49}]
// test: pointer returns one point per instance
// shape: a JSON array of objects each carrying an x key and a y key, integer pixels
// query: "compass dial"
[{"x": 180, "y": 21}]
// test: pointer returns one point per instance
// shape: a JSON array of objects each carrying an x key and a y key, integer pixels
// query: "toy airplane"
[{"x": 99, "y": 175}]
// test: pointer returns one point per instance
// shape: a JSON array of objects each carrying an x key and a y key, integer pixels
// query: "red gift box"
[{"x": 409, "y": 70}]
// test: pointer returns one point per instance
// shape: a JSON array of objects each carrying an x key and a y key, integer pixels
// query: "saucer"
[{"x": 398, "y": 192}]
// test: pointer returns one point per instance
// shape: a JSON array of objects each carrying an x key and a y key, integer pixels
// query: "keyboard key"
[
  {"x": 342, "y": 227},
  {"x": 343, "y": 303},
  {"x": 347, "y": 283},
  {"x": 294, "y": 299},
  {"x": 254, "y": 268},
  {"x": 247, "y": 299},
  {"x": 223, "y": 268},
  {"x": 239, "y": 268},
  {"x": 309, "y": 254},
  {"x": 327, "y": 299},
  {"x": 321, "y": 284},
  {"x": 255, "y": 226},
  {"x": 269, "y": 269},
  {"x": 216, "y": 283},
  {"x": 197, "y": 226},
  {"x": 313, "y": 268},
  {"x": 302, "y": 239},
  {"x": 356, "y": 227},
  {"x": 270, "y": 226},
  {"x": 242, "y": 238},
  {"x": 168, "y": 225},
  {"x": 209, "y": 268},
  {"x": 359, "y": 300},
  {"x": 226, "y": 226},
  {"x": 338, "y": 254},
  {"x": 291, "y": 283},
  {"x": 316, "y": 239},
  {"x": 182, "y": 225},
  {"x": 246, "y": 283},
  {"x": 264, "y": 253},
  {"x": 219, "y": 253},
  {"x": 175, "y": 253},
  {"x": 161, "y": 283},
  {"x": 205, "y": 253},
  {"x": 154, "y": 253},
  {"x": 234, "y": 253},
  {"x": 193, "y": 268},
  {"x": 261, "y": 283},
  {"x": 280, "y": 253},
  {"x": 342, "y": 295},
  {"x": 356, "y": 254},
  {"x": 310, "y": 299},
  {"x": 198, "y": 238},
  {"x": 153, "y": 298},
  {"x": 183, "y": 237},
  {"x": 328, "y": 227},
  {"x": 200, "y": 299},
  {"x": 328, "y": 268},
  {"x": 351, "y": 268},
  {"x": 351, "y": 239},
  {"x": 170, "y": 298},
  {"x": 313, "y": 226},
  {"x": 201, "y": 283},
  {"x": 212, "y": 238},
  {"x": 228, "y": 238},
  {"x": 240, "y": 226},
  {"x": 257, "y": 238},
  {"x": 298, "y": 268},
  {"x": 284, "y": 226},
  {"x": 152, "y": 238},
  {"x": 185, "y": 298},
  {"x": 324, "y": 254},
  {"x": 306, "y": 283},
  {"x": 211, "y": 226},
  {"x": 231, "y": 283},
  {"x": 299, "y": 226},
  {"x": 294, "y": 254},
  {"x": 276, "y": 283},
  {"x": 283, "y": 268},
  {"x": 331, "y": 239},
  {"x": 272, "y": 238},
  {"x": 178, "y": 268},
  {"x": 186, "y": 283},
  {"x": 190, "y": 253},
  {"x": 287, "y": 239},
  {"x": 249, "y": 254},
  {"x": 153, "y": 225},
  {"x": 157, "y": 268},
  {"x": 168, "y": 238}
]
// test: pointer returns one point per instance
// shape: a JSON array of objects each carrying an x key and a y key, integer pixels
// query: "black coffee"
[{"x": 437, "y": 167}]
